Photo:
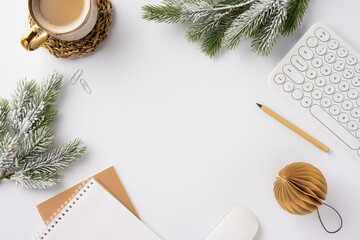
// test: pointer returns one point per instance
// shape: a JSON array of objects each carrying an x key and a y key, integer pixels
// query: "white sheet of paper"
[{"x": 97, "y": 215}]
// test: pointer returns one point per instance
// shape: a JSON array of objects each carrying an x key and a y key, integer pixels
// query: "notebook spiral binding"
[{"x": 64, "y": 209}]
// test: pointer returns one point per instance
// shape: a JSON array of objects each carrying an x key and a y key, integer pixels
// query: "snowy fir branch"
[
  {"x": 26, "y": 136},
  {"x": 224, "y": 24}
]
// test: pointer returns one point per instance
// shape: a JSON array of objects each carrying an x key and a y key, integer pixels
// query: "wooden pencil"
[{"x": 294, "y": 128}]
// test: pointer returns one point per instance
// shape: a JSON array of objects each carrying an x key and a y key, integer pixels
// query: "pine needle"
[
  {"x": 248, "y": 23},
  {"x": 296, "y": 10},
  {"x": 39, "y": 181},
  {"x": 267, "y": 36},
  {"x": 4, "y": 111},
  {"x": 35, "y": 144},
  {"x": 56, "y": 159}
]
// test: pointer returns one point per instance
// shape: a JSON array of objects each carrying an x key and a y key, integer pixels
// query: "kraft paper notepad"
[
  {"x": 93, "y": 214},
  {"x": 108, "y": 178}
]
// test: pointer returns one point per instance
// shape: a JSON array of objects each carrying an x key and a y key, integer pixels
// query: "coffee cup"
[{"x": 67, "y": 20}]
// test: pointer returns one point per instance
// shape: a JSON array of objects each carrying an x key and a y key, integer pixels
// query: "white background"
[{"x": 182, "y": 130}]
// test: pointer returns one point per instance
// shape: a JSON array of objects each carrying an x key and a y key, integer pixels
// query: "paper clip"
[
  {"x": 85, "y": 86},
  {"x": 76, "y": 76}
]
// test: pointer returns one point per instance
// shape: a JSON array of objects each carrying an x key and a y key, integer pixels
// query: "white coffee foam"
[{"x": 55, "y": 28}]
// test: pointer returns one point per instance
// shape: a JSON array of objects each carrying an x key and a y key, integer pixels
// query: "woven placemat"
[{"x": 88, "y": 44}]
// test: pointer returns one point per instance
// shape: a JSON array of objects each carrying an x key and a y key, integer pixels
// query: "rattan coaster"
[{"x": 88, "y": 44}]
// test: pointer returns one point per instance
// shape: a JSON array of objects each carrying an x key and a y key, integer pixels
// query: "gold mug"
[{"x": 44, "y": 29}]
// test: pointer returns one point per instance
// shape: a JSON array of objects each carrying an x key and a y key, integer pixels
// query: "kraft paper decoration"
[{"x": 300, "y": 188}]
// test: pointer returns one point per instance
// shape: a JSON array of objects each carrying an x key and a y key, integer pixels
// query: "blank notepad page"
[{"x": 95, "y": 214}]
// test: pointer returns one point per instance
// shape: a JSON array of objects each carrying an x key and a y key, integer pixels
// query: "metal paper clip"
[
  {"x": 85, "y": 86},
  {"x": 76, "y": 76}
]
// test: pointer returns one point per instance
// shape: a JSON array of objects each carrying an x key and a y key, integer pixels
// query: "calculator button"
[
  {"x": 299, "y": 63},
  {"x": 333, "y": 44},
  {"x": 312, "y": 42},
  {"x": 335, "y": 78},
  {"x": 356, "y": 81},
  {"x": 342, "y": 52},
  {"x": 347, "y": 105},
  {"x": 357, "y": 68},
  {"x": 306, "y": 102},
  {"x": 334, "y": 110},
  {"x": 348, "y": 73},
  {"x": 325, "y": 70},
  {"x": 288, "y": 86},
  {"x": 316, "y": 62},
  {"x": 358, "y": 102},
  {"x": 339, "y": 66},
  {"x": 279, "y": 78},
  {"x": 325, "y": 102},
  {"x": 355, "y": 112},
  {"x": 322, "y": 34},
  {"x": 329, "y": 89},
  {"x": 311, "y": 73},
  {"x": 321, "y": 50},
  {"x": 353, "y": 93},
  {"x": 306, "y": 53},
  {"x": 351, "y": 60},
  {"x": 308, "y": 86},
  {"x": 297, "y": 94},
  {"x": 330, "y": 58},
  {"x": 338, "y": 97},
  {"x": 316, "y": 94},
  {"x": 293, "y": 74},
  {"x": 343, "y": 117},
  {"x": 352, "y": 125},
  {"x": 320, "y": 81},
  {"x": 344, "y": 86}
]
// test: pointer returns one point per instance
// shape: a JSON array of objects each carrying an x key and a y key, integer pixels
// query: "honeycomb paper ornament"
[{"x": 300, "y": 188}]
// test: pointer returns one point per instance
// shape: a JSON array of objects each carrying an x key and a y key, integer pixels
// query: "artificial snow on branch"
[
  {"x": 26, "y": 136},
  {"x": 224, "y": 24}
]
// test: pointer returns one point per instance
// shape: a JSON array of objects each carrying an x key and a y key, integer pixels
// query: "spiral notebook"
[
  {"x": 108, "y": 178},
  {"x": 93, "y": 214}
]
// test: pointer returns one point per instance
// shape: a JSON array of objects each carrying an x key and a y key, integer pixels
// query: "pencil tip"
[{"x": 259, "y": 105}]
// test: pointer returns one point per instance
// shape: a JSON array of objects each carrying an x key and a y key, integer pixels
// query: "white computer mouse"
[{"x": 238, "y": 224}]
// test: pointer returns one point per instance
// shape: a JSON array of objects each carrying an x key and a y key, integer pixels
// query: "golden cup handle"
[{"x": 34, "y": 38}]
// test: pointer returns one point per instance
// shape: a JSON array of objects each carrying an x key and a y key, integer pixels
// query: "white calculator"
[{"x": 321, "y": 77}]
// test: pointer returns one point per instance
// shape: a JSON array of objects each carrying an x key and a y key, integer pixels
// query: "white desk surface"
[{"x": 182, "y": 130}]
